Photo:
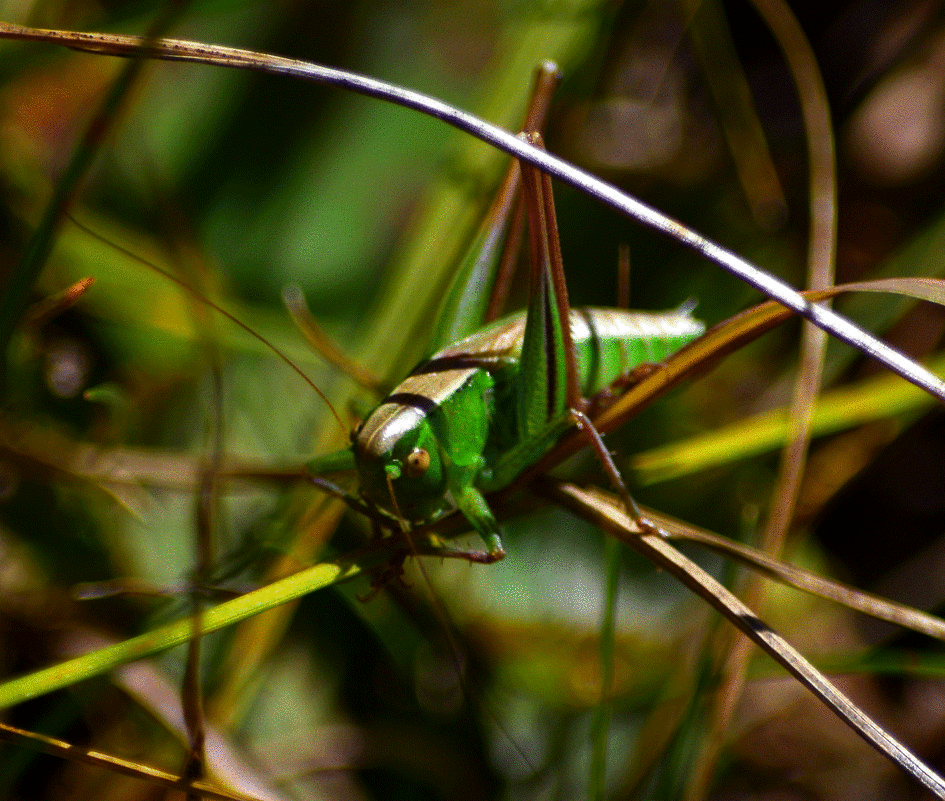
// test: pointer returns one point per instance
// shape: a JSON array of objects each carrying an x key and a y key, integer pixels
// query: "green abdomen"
[{"x": 611, "y": 342}]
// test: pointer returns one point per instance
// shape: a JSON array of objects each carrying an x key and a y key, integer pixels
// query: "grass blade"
[
  {"x": 225, "y": 614},
  {"x": 615, "y": 521},
  {"x": 771, "y": 286}
]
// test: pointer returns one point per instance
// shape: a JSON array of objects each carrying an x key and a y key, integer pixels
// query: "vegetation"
[{"x": 129, "y": 410}]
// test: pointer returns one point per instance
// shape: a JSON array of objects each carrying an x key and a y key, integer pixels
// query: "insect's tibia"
[
  {"x": 548, "y": 287},
  {"x": 606, "y": 461},
  {"x": 481, "y": 283},
  {"x": 476, "y": 510},
  {"x": 623, "y": 276},
  {"x": 547, "y": 78}
]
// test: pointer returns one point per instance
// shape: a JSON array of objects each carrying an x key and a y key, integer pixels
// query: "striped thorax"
[{"x": 429, "y": 437}]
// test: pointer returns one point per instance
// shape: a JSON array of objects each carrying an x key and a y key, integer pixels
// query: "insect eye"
[{"x": 416, "y": 463}]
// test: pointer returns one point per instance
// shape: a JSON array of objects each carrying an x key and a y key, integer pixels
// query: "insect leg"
[
  {"x": 596, "y": 441},
  {"x": 547, "y": 379},
  {"x": 482, "y": 280}
]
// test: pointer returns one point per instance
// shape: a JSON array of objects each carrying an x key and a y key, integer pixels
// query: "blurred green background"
[{"x": 243, "y": 183}]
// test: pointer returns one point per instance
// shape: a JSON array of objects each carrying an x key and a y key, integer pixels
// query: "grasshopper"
[
  {"x": 457, "y": 444},
  {"x": 470, "y": 419},
  {"x": 478, "y": 412}
]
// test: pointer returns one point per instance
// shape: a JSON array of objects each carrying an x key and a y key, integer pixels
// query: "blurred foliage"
[{"x": 242, "y": 183}]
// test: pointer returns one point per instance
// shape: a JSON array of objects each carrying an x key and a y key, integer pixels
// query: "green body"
[{"x": 454, "y": 428}]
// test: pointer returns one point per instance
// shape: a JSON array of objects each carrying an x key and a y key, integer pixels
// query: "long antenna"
[{"x": 216, "y": 307}]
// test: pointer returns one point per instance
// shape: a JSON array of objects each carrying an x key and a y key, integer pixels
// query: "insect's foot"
[
  {"x": 604, "y": 398},
  {"x": 383, "y": 576},
  {"x": 641, "y": 371},
  {"x": 481, "y": 557},
  {"x": 475, "y": 557},
  {"x": 494, "y": 555}
]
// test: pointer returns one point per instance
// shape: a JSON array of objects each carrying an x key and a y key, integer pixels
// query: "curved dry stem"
[
  {"x": 159, "y": 778},
  {"x": 65, "y": 674},
  {"x": 771, "y": 286},
  {"x": 815, "y": 111},
  {"x": 613, "y": 519}
]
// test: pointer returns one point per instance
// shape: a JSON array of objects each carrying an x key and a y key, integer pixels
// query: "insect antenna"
[
  {"x": 448, "y": 628},
  {"x": 216, "y": 307}
]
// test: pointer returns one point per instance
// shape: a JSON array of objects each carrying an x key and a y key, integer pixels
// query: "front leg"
[{"x": 471, "y": 502}]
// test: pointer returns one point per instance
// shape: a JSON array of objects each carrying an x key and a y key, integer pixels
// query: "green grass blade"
[
  {"x": 225, "y": 614},
  {"x": 873, "y": 399}
]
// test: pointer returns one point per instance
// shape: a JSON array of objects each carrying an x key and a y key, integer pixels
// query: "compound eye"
[{"x": 416, "y": 463}]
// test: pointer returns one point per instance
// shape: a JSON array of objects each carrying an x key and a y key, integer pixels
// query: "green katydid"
[
  {"x": 477, "y": 413},
  {"x": 521, "y": 437}
]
